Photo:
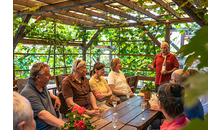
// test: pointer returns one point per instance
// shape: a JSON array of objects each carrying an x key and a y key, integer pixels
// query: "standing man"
[
  {"x": 40, "y": 98},
  {"x": 171, "y": 65}
]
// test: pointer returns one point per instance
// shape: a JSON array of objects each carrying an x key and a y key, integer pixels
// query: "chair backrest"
[
  {"x": 59, "y": 79},
  {"x": 128, "y": 80},
  {"x": 21, "y": 84},
  {"x": 133, "y": 83}
]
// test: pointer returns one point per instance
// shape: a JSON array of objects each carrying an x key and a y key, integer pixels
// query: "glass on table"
[
  {"x": 143, "y": 105},
  {"x": 114, "y": 101},
  {"x": 114, "y": 119},
  {"x": 128, "y": 96}
]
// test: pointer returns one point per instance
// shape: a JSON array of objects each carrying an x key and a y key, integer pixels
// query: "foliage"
[
  {"x": 148, "y": 87},
  {"x": 77, "y": 121},
  {"x": 203, "y": 125}
]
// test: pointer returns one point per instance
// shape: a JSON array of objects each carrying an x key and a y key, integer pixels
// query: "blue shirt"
[
  {"x": 39, "y": 101},
  {"x": 196, "y": 111}
]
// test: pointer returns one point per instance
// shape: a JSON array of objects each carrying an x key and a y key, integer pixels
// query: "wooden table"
[{"x": 129, "y": 116}]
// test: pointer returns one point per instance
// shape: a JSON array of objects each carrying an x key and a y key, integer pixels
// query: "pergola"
[{"x": 94, "y": 15}]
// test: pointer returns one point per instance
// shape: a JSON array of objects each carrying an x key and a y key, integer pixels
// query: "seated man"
[
  {"x": 76, "y": 90},
  {"x": 40, "y": 98},
  {"x": 22, "y": 113},
  {"x": 195, "y": 111}
]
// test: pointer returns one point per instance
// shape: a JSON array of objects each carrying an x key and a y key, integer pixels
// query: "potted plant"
[
  {"x": 147, "y": 90},
  {"x": 77, "y": 121}
]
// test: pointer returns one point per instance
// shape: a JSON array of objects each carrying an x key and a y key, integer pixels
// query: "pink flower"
[
  {"x": 82, "y": 127},
  {"x": 75, "y": 108},
  {"x": 81, "y": 110},
  {"x": 76, "y": 124}
]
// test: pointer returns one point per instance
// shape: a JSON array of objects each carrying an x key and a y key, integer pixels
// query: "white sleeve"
[{"x": 111, "y": 78}]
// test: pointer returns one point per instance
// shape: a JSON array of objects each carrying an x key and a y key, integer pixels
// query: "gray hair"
[
  {"x": 21, "y": 110},
  {"x": 114, "y": 62},
  {"x": 37, "y": 69},
  {"x": 78, "y": 64}
]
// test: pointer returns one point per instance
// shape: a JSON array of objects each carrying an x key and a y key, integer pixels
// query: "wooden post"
[
  {"x": 65, "y": 69},
  {"x": 90, "y": 57},
  {"x": 84, "y": 45},
  {"x": 119, "y": 41},
  {"x": 167, "y": 36},
  {"x": 54, "y": 58},
  {"x": 110, "y": 52}
]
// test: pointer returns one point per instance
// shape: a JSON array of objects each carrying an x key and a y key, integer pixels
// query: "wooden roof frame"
[{"x": 62, "y": 10}]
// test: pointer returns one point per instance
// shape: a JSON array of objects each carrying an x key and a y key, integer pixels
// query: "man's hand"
[
  {"x": 150, "y": 66},
  {"x": 164, "y": 72},
  {"x": 57, "y": 103}
]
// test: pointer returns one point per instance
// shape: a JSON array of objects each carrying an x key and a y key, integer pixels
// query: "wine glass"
[
  {"x": 142, "y": 108},
  {"x": 114, "y": 101},
  {"x": 114, "y": 119}
]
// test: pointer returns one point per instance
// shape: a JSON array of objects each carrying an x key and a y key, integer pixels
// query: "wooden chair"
[
  {"x": 21, "y": 84},
  {"x": 63, "y": 108},
  {"x": 59, "y": 79},
  {"x": 133, "y": 83}
]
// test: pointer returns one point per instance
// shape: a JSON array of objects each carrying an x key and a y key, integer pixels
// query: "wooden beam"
[
  {"x": 152, "y": 37},
  {"x": 114, "y": 11},
  {"x": 167, "y": 34},
  {"x": 60, "y": 6},
  {"x": 91, "y": 41},
  {"x": 69, "y": 19},
  {"x": 20, "y": 31},
  {"x": 188, "y": 9},
  {"x": 168, "y": 8},
  {"x": 65, "y": 20},
  {"x": 38, "y": 19},
  {"x": 40, "y": 42},
  {"x": 137, "y": 8},
  {"x": 66, "y": 12},
  {"x": 93, "y": 13},
  {"x": 171, "y": 21}
]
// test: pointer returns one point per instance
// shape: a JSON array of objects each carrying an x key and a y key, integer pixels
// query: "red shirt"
[
  {"x": 171, "y": 62},
  {"x": 175, "y": 124}
]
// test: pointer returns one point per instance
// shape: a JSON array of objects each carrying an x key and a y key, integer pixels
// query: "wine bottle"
[{"x": 164, "y": 64}]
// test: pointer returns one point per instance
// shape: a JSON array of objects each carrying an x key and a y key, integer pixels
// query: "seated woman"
[
  {"x": 171, "y": 105},
  {"x": 99, "y": 85},
  {"x": 117, "y": 81},
  {"x": 76, "y": 90}
]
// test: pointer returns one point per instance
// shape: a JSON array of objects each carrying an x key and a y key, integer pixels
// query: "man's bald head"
[
  {"x": 164, "y": 44},
  {"x": 176, "y": 77},
  {"x": 164, "y": 48}
]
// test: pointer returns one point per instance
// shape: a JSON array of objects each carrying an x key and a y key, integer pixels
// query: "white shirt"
[{"x": 118, "y": 79}]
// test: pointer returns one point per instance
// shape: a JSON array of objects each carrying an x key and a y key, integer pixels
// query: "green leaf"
[
  {"x": 184, "y": 4},
  {"x": 197, "y": 124},
  {"x": 198, "y": 86}
]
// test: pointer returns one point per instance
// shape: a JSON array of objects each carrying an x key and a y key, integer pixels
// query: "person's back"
[{"x": 196, "y": 111}]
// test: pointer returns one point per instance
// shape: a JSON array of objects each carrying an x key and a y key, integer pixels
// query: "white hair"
[
  {"x": 78, "y": 64},
  {"x": 21, "y": 110}
]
